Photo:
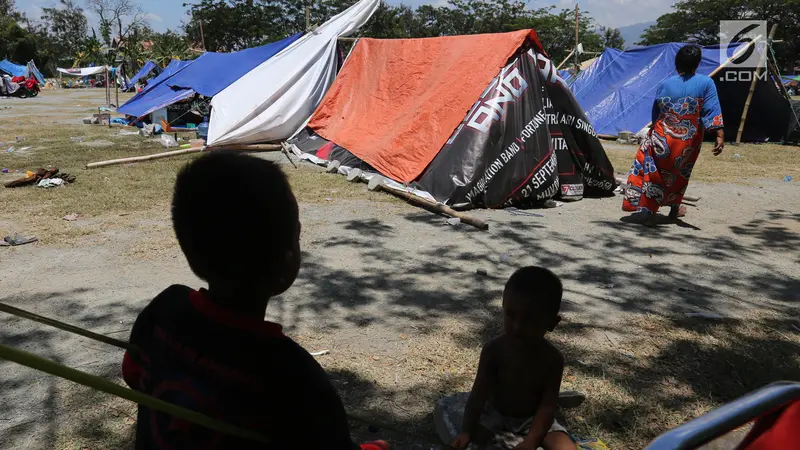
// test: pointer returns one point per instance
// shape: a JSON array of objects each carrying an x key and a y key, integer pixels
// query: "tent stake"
[{"x": 753, "y": 84}]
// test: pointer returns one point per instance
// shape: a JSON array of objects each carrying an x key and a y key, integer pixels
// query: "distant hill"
[{"x": 632, "y": 33}]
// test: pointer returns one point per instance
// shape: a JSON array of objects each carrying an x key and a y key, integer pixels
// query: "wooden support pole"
[
  {"x": 143, "y": 158},
  {"x": 753, "y": 83},
  {"x": 308, "y": 18},
  {"x": 377, "y": 183},
  {"x": 565, "y": 59},
  {"x": 202, "y": 36},
  {"x": 577, "y": 55}
]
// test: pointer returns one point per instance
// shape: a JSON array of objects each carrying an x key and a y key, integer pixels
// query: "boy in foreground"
[
  {"x": 514, "y": 398},
  {"x": 210, "y": 350}
]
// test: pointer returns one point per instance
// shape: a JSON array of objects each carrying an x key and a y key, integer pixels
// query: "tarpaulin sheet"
[
  {"x": 139, "y": 106},
  {"x": 146, "y": 69},
  {"x": 618, "y": 90},
  {"x": 212, "y": 72},
  {"x": 17, "y": 70},
  {"x": 274, "y": 100},
  {"x": 206, "y": 75},
  {"x": 83, "y": 71},
  {"x": 396, "y": 102}
]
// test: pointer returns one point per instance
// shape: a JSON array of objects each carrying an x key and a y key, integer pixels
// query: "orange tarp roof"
[{"x": 397, "y": 101}]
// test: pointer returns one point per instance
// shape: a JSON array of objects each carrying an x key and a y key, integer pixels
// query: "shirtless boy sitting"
[{"x": 519, "y": 373}]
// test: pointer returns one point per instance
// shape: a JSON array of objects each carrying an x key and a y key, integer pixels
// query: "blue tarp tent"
[
  {"x": 206, "y": 75},
  {"x": 618, "y": 90},
  {"x": 144, "y": 71},
  {"x": 16, "y": 70}
]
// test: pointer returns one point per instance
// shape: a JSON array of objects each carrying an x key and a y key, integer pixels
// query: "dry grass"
[
  {"x": 643, "y": 375},
  {"x": 141, "y": 190},
  {"x": 756, "y": 162}
]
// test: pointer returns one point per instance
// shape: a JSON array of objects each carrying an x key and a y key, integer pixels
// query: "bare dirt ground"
[{"x": 392, "y": 291}]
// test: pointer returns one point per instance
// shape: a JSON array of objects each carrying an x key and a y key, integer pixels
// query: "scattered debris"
[
  {"x": 40, "y": 175},
  {"x": 76, "y": 139},
  {"x": 71, "y": 217},
  {"x": 167, "y": 141},
  {"x": 453, "y": 221},
  {"x": 50, "y": 182},
  {"x": 19, "y": 240},
  {"x": 10, "y": 149},
  {"x": 20, "y": 138},
  {"x": 320, "y": 353},
  {"x": 737, "y": 156},
  {"x": 505, "y": 257},
  {"x": 787, "y": 178},
  {"x": 127, "y": 133},
  {"x": 482, "y": 272},
  {"x": 328, "y": 199}
]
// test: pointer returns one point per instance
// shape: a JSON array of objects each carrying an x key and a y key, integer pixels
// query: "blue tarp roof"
[
  {"x": 16, "y": 70},
  {"x": 206, "y": 75},
  {"x": 617, "y": 91},
  {"x": 146, "y": 69}
]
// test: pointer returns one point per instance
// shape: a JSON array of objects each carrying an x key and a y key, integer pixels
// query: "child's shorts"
[
  {"x": 509, "y": 432},
  {"x": 506, "y": 432}
]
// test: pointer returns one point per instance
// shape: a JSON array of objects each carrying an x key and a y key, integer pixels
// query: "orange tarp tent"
[{"x": 397, "y": 101}]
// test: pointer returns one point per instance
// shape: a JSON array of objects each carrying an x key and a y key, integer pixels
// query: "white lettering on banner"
[
  {"x": 505, "y": 156},
  {"x": 543, "y": 174},
  {"x": 534, "y": 124},
  {"x": 546, "y": 67},
  {"x": 587, "y": 127},
  {"x": 549, "y": 192},
  {"x": 559, "y": 143},
  {"x": 493, "y": 103}
]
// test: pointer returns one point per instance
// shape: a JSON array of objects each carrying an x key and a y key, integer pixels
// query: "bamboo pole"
[
  {"x": 565, "y": 59},
  {"x": 377, "y": 184},
  {"x": 771, "y": 66},
  {"x": 202, "y": 36},
  {"x": 143, "y": 158},
  {"x": 66, "y": 327},
  {"x": 53, "y": 368},
  {"x": 577, "y": 55},
  {"x": 753, "y": 85}
]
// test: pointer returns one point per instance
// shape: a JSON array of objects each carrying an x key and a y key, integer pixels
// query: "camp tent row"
[
  {"x": 19, "y": 70},
  {"x": 617, "y": 91}
]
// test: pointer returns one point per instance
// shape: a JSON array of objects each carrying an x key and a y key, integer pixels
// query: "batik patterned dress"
[{"x": 686, "y": 106}]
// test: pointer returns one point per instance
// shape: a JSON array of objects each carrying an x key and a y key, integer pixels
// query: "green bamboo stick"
[
  {"x": 53, "y": 368},
  {"x": 67, "y": 327}
]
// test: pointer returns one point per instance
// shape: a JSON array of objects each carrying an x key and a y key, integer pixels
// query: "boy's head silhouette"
[{"x": 236, "y": 220}]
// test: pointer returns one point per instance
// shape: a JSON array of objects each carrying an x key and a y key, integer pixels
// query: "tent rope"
[
  {"x": 100, "y": 384},
  {"x": 598, "y": 74}
]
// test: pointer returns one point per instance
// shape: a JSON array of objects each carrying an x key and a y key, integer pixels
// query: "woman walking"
[{"x": 686, "y": 106}]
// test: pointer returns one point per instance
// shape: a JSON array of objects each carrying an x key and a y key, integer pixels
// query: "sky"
[{"x": 169, "y": 14}]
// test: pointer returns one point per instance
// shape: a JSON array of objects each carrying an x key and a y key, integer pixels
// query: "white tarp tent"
[
  {"x": 83, "y": 71},
  {"x": 276, "y": 99}
]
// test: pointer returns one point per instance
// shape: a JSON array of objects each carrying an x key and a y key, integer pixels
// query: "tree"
[
  {"x": 119, "y": 17},
  {"x": 612, "y": 38},
  {"x": 63, "y": 31},
  {"x": 699, "y": 20},
  {"x": 167, "y": 46}
]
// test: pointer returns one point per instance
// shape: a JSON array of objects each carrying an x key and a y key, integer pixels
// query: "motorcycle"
[{"x": 19, "y": 87}]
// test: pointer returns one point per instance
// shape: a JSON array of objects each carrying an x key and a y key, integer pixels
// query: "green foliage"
[
  {"x": 699, "y": 20},
  {"x": 229, "y": 25},
  {"x": 612, "y": 38}
]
